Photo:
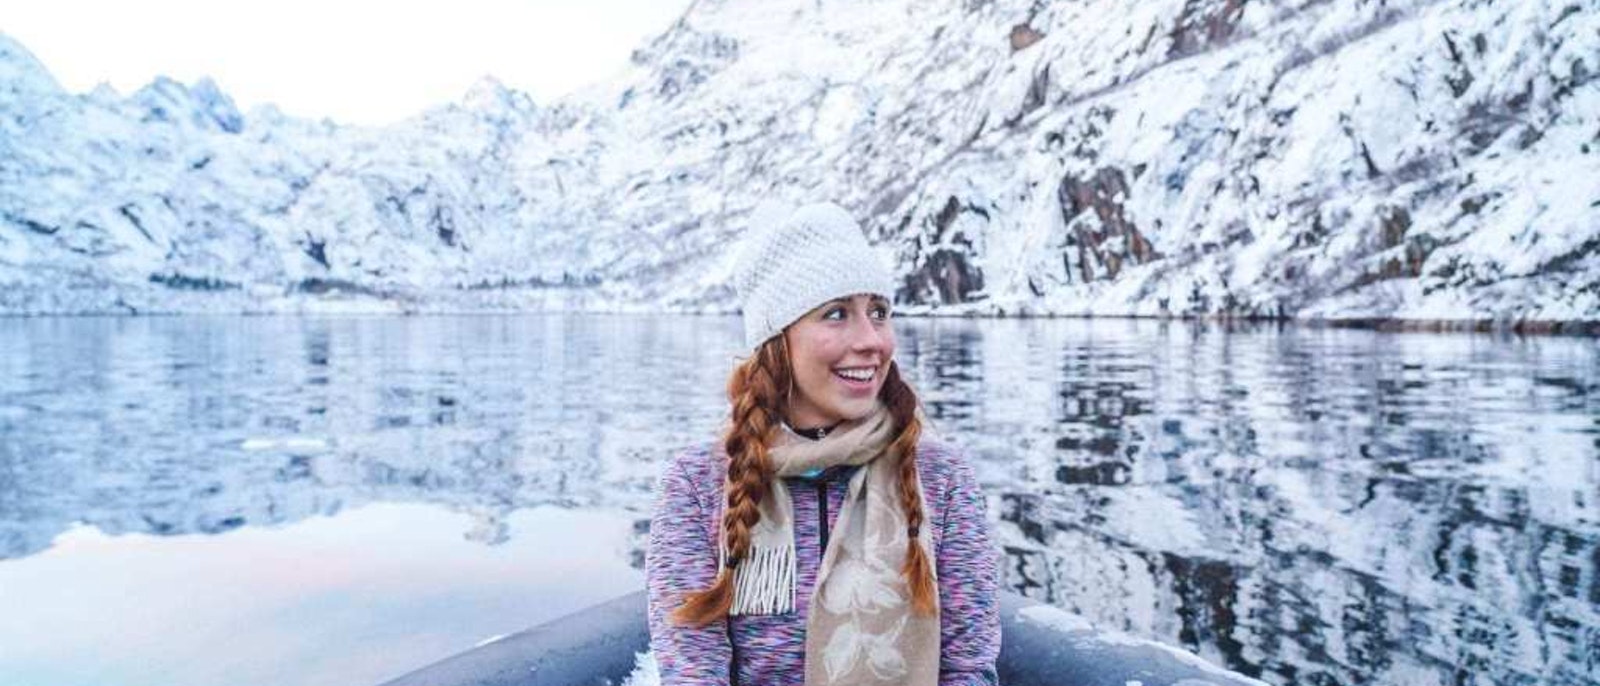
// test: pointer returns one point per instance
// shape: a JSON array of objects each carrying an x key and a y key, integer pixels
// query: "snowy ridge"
[{"x": 1320, "y": 159}]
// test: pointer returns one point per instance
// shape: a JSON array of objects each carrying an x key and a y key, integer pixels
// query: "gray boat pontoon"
[{"x": 1040, "y": 646}]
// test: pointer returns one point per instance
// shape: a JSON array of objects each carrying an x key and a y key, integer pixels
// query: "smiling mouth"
[{"x": 857, "y": 375}]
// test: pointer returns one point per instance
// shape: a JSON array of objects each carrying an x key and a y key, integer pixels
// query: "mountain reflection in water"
[{"x": 1309, "y": 506}]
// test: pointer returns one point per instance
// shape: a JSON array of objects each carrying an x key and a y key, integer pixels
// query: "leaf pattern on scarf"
[
  {"x": 862, "y": 582},
  {"x": 859, "y": 586},
  {"x": 883, "y": 653},
  {"x": 843, "y": 651},
  {"x": 849, "y": 644}
]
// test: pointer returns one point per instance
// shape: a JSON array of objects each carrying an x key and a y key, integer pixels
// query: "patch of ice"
[{"x": 645, "y": 671}]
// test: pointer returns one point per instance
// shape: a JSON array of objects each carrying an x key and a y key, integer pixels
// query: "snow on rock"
[{"x": 1336, "y": 159}]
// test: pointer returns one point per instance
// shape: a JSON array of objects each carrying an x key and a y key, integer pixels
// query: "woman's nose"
[{"x": 867, "y": 335}]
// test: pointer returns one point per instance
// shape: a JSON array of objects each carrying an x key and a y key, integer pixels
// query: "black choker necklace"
[{"x": 816, "y": 434}]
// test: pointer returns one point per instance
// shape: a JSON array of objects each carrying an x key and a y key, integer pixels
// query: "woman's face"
[{"x": 840, "y": 353}]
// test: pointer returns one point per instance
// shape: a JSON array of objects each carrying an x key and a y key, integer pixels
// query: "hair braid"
[
  {"x": 901, "y": 400},
  {"x": 757, "y": 407}
]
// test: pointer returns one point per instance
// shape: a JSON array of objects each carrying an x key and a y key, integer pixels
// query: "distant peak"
[
  {"x": 487, "y": 84},
  {"x": 202, "y": 104},
  {"x": 20, "y": 71},
  {"x": 489, "y": 94}
]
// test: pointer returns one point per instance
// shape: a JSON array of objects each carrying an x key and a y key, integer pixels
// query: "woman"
[{"x": 824, "y": 540}]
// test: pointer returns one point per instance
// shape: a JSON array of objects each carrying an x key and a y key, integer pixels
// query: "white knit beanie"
[{"x": 787, "y": 266}]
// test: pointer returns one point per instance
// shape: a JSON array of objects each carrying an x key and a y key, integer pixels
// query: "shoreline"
[{"x": 1525, "y": 327}]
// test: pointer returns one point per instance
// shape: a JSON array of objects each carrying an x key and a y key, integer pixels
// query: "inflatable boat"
[{"x": 1041, "y": 645}]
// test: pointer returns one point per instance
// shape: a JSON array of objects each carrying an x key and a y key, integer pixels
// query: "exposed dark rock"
[
  {"x": 1372, "y": 167},
  {"x": 1528, "y": 137},
  {"x": 1460, "y": 77},
  {"x": 1203, "y": 24},
  {"x": 321, "y": 286},
  {"x": 31, "y": 225},
  {"x": 1394, "y": 230},
  {"x": 1022, "y": 36},
  {"x": 1392, "y": 225},
  {"x": 444, "y": 224},
  {"x": 1102, "y": 250},
  {"x": 1485, "y": 122},
  {"x": 1567, "y": 260},
  {"x": 946, "y": 217},
  {"x": 1038, "y": 90},
  {"x": 316, "y": 250},
  {"x": 946, "y": 274},
  {"x": 568, "y": 280},
  {"x": 1580, "y": 76},
  {"x": 127, "y": 211},
  {"x": 1566, "y": 12},
  {"x": 193, "y": 283}
]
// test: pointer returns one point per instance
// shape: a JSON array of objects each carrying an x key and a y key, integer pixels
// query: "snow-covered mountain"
[{"x": 1345, "y": 159}]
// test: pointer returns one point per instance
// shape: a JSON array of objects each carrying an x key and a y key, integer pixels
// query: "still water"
[{"x": 204, "y": 501}]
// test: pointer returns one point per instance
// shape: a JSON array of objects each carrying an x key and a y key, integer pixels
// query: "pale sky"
[{"x": 356, "y": 61}]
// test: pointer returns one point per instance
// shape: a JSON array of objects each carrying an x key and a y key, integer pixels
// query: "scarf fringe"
[{"x": 764, "y": 582}]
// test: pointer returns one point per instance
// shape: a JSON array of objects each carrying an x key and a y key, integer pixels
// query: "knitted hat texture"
[{"x": 787, "y": 267}]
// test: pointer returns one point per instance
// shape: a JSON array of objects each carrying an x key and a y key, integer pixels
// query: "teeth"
[{"x": 856, "y": 374}]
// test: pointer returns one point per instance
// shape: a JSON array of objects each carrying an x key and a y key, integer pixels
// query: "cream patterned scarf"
[{"x": 859, "y": 628}]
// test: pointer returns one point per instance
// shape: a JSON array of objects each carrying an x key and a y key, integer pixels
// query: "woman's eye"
[
  {"x": 835, "y": 313},
  {"x": 880, "y": 312}
]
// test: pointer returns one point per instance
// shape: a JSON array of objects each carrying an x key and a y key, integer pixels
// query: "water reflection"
[
  {"x": 353, "y": 599},
  {"x": 1317, "y": 507},
  {"x": 175, "y": 426},
  {"x": 1309, "y": 506}
]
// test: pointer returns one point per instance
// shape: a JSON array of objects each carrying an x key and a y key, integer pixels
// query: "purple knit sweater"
[{"x": 769, "y": 650}]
